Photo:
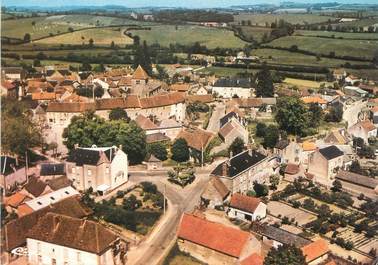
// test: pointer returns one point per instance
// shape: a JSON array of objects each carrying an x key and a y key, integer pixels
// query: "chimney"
[{"x": 224, "y": 169}]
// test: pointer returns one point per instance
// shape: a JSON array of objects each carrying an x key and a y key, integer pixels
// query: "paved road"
[
  {"x": 350, "y": 115},
  {"x": 156, "y": 246},
  {"x": 218, "y": 113}
]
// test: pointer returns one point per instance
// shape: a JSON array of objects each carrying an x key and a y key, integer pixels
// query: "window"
[
  {"x": 89, "y": 172},
  {"x": 66, "y": 192},
  {"x": 52, "y": 198},
  {"x": 39, "y": 203},
  {"x": 107, "y": 170}
]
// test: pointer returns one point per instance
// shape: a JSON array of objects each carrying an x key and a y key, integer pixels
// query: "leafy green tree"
[
  {"x": 148, "y": 187},
  {"x": 260, "y": 189},
  {"x": 118, "y": 114},
  {"x": 27, "y": 37},
  {"x": 271, "y": 136},
  {"x": 260, "y": 129},
  {"x": 274, "y": 180},
  {"x": 162, "y": 73},
  {"x": 285, "y": 255},
  {"x": 315, "y": 113},
  {"x": 237, "y": 146},
  {"x": 180, "y": 150},
  {"x": 337, "y": 186},
  {"x": 18, "y": 131},
  {"x": 291, "y": 115},
  {"x": 91, "y": 42},
  {"x": 335, "y": 114},
  {"x": 86, "y": 67},
  {"x": 158, "y": 150},
  {"x": 99, "y": 91},
  {"x": 264, "y": 86},
  {"x": 131, "y": 203}
]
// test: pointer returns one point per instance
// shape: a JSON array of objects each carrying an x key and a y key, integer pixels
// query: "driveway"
[{"x": 218, "y": 113}]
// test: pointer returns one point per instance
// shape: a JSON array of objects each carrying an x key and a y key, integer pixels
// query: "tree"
[
  {"x": 285, "y": 255},
  {"x": 99, "y": 91},
  {"x": 237, "y": 146},
  {"x": 158, "y": 150},
  {"x": 112, "y": 45},
  {"x": 18, "y": 130},
  {"x": 274, "y": 180},
  {"x": 86, "y": 67},
  {"x": 335, "y": 114},
  {"x": 264, "y": 87},
  {"x": 337, "y": 186},
  {"x": 271, "y": 136},
  {"x": 27, "y": 37},
  {"x": 118, "y": 114},
  {"x": 180, "y": 150},
  {"x": 260, "y": 129},
  {"x": 131, "y": 203},
  {"x": 162, "y": 73},
  {"x": 36, "y": 63},
  {"x": 291, "y": 115},
  {"x": 260, "y": 189},
  {"x": 91, "y": 42},
  {"x": 315, "y": 113}
]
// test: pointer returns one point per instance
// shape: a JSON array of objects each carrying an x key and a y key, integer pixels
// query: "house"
[
  {"x": 355, "y": 91},
  {"x": 233, "y": 114},
  {"x": 35, "y": 187},
  {"x": 246, "y": 208},
  {"x": 11, "y": 174},
  {"x": 13, "y": 73},
  {"x": 337, "y": 137},
  {"x": 168, "y": 127},
  {"x": 289, "y": 151},
  {"x": 197, "y": 140},
  {"x": 208, "y": 98},
  {"x": 363, "y": 129},
  {"x": 52, "y": 170},
  {"x": 215, "y": 243},
  {"x": 239, "y": 172},
  {"x": 324, "y": 163},
  {"x": 13, "y": 201},
  {"x": 339, "y": 74},
  {"x": 153, "y": 163},
  {"x": 14, "y": 232},
  {"x": 308, "y": 148},
  {"x": 156, "y": 138},
  {"x": 254, "y": 259},
  {"x": 352, "y": 80},
  {"x": 232, "y": 130},
  {"x": 275, "y": 236},
  {"x": 315, "y": 100},
  {"x": 184, "y": 87},
  {"x": 263, "y": 104},
  {"x": 351, "y": 179},
  {"x": 202, "y": 91},
  {"x": 60, "y": 239},
  {"x": 316, "y": 252},
  {"x": 9, "y": 89},
  {"x": 229, "y": 88},
  {"x": 51, "y": 198},
  {"x": 101, "y": 168},
  {"x": 215, "y": 193}
]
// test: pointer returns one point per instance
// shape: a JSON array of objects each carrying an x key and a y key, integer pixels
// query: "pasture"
[
  {"x": 100, "y": 36},
  {"x": 255, "y": 33},
  {"x": 187, "y": 35},
  {"x": 357, "y": 48},
  {"x": 337, "y": 35},
  {"x": 262, "y": 19}
]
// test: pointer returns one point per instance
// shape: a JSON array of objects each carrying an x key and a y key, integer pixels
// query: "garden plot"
[
  {"x": 332, "y": 207},
  {"x": 302, "y": 217}
]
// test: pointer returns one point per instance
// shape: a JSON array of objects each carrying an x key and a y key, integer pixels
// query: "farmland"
[
  {"x": 186, "y": 35},
  {"x": 262, "y": 19},
  {"x": 254, "y": 33},
  {"x": 337, "y": 35},
  {"x": 100, "y": 36},
  {"x": 357, "y": 48}
]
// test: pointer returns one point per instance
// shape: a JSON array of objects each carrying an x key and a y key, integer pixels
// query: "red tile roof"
[
  {"x": 145, "y": 123},
  {"x": 43, "y": 96},
  {"x": 196, "y": 139},
  {"x": 315, "y": 250},
  {"x": 23, "y": 210},
  {"x": 70, "y": 107},
  {"x": 162, "y": 100},
  {"x": 8, "y": 85},
  {"x": 254, "y": 259},
  {"x": 15, "y": 200},
  {"x": 180, "y": 87},
  {"x": 291, "y": 169},
  {"x": 72, "y": 232},
  {"x": 218, "y": 237},
  {"x": 200, "y": 98},
  {"x": 314, "y": 99},
  {"x": 140, "y": 73},
  {"x": 244, "y": 203}
]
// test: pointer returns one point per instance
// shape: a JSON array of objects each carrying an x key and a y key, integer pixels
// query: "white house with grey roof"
[
  {"x": 228, "y": 88},
  {"x": 102, "y": 168},
  {"x": 239, "y": 172}
]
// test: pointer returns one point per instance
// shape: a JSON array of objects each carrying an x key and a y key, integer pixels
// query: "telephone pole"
[{"x": 164, "y": 198}]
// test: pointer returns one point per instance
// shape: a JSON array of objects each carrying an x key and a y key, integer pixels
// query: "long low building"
[{"x": 357, "y": 179}]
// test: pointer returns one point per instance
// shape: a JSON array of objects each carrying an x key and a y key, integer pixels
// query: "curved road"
[{"x": 157, "y": 244}]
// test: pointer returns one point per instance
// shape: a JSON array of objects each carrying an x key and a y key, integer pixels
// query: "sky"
[{"x": 165, "y": 3}]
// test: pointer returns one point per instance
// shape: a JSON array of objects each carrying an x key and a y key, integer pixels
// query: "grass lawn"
[
  {"x": 261, "y": 19},
  {"x": 341, "y": 47},
  {"x": 255, "y": 33},
  {"x": 188, "y": 34},
  {"x": 344, "y": 35},
  {"x": 100, "y": 36},
  {"x": 225, "y": 71},
  {"x": 16, "y": 28},
  {"x": 176, "y": 257},
  {"x": 294, "y": 58},
  {"x": 302, "y": 83}
]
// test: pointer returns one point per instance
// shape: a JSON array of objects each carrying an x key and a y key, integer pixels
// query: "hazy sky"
[{"x": 168, "y": 3}]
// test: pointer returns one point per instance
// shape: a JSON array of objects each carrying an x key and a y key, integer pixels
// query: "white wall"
[
  {"x": 259, "y": 213},
  {"x": 64, "y": 255},
  {"x": 229, "y": 92},
  {"x": 119, "y": 169}
]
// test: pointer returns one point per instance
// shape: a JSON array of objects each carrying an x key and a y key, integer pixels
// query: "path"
[{"x": 218, "y": 113}]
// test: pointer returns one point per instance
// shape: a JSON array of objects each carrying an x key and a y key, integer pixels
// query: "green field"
[
  {"x": 186, "y": 35},
  {"x": 100, "y": 36},
  {"x": 360, "y": 23},
  {"x": 357, "y": 48},
  {"x": 344, "y": 35},
  {"x": 261, "y": 19},
  {"x": 294, "y": 58},
  {"x": 16, "y": 28},
  {"x": 255, "y": 33}
]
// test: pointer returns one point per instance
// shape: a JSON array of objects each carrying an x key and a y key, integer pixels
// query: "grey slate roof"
[
  {"x": 284, "y": 236},
  {"x": 331, "y": 152},
  {"x": 82, "y": 156},
  {"x": 48, "y": 169},
  {"x": 357, "y": 179},
  {"x": 234, "y": 82}
]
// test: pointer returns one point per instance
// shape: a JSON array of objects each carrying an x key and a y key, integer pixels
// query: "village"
[{"x": 123, "y": 167}]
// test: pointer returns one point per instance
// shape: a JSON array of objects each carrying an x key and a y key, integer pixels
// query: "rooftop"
[
  {"x": 283, "y": 236},
  {"x": 91, "y": 156},
  {"x": 84, "y": 235},
  {"x": 49, "y": 169},
  {"x": 315, "y": 250},
  {"x": 140, "y": 74},
  {"x": 197, "y": 138},
  {"x": 218, "y": 237},
  {"x": 331, "y": 152},
  {"x": 357, "y": 179},
  {"x": 244, "y": 203}
]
